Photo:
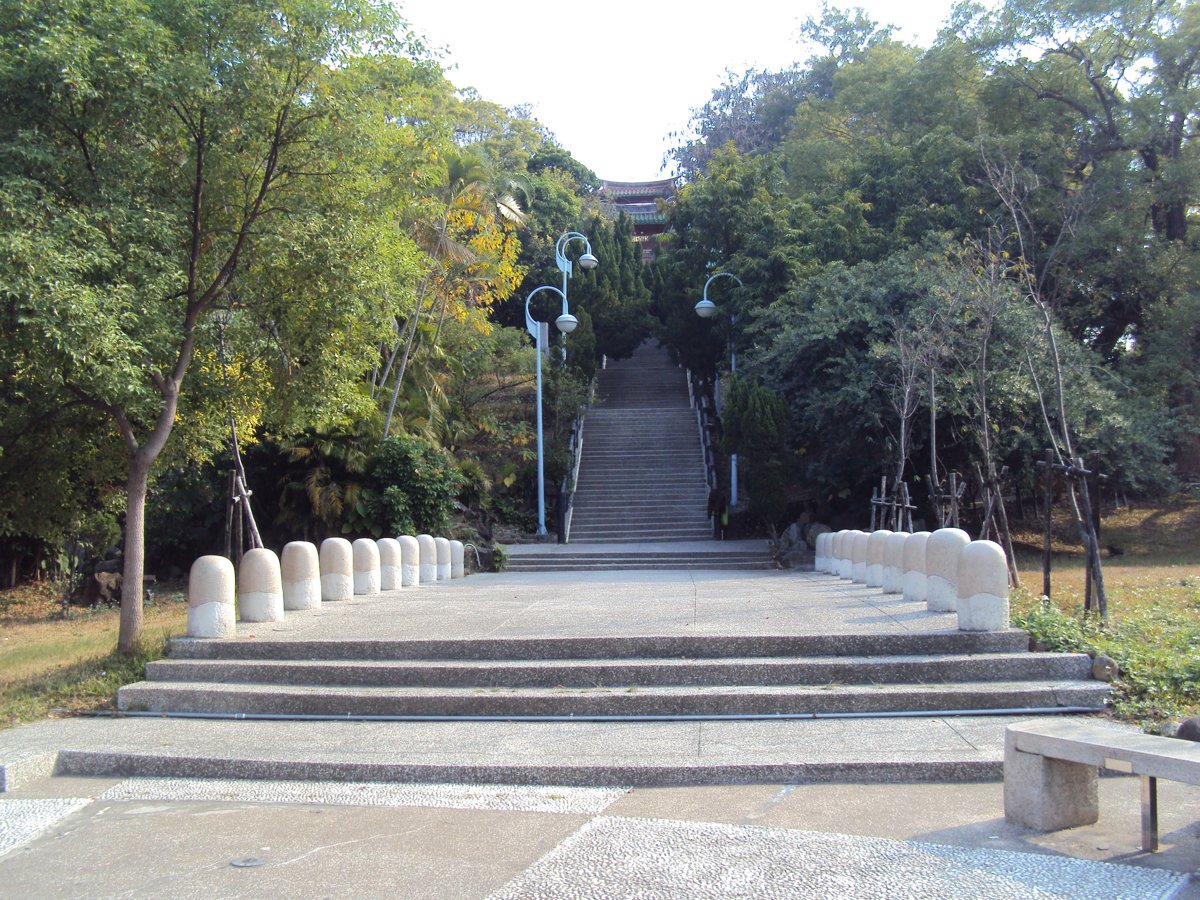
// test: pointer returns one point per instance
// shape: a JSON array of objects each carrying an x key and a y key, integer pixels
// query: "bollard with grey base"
[
  {"x": 428, "y": 556},
  {"x": 410, "y": 560},
  {"x": 210, "y": 599},
  {"x": 337, "y": 569},
  {"x": 876, "y": 547},
  {"x": 913, "y": 579},
  {"x": 389, "y": 564},
  {"x": 941, "y": 568},
  {"x": 441, "y": 547},
  {"x": 458, "y": 553},
  {"x": 301, "y": 569},
  {"x": 260, "y": 587},
  {"x": 893, "y": 562},
  {"x": 982, "y": 586},
  {"x": 366, "y": 567}
]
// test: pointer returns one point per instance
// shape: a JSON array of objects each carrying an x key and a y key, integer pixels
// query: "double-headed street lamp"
[
  {"x": 565, "y": 323},
  {"x": 705, "y": 309}
]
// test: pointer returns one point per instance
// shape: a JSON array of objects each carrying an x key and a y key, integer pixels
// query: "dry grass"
[{"x": 55, "y": 665}]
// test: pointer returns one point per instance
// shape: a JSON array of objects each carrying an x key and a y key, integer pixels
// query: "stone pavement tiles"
[{"x": 589, "y": 854}]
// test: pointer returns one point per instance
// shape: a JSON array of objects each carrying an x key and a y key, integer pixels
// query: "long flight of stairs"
[{"x": 641, "y": 476}]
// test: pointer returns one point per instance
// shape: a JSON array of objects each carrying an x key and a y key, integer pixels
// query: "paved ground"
[{"x": 70, "y": 837}]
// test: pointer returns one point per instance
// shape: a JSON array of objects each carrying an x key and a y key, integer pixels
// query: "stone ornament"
[
  {"x": 337, "y": 569},
  {"x": 260, "y": 587},
  {"x": 210, "y": 599},
  {"x": 913, "y": 579},
  {"x": 366, "y": 567},
  {"x": 301, "y": 570},
  {"x": 389, "y": 564},
  {"x": 893, "y": 562},
  {"x": 441, "y": 547},
  {"x": 858, "y": 557},
  {"x": 941, "y": 568},
  {"x": 428, "y": 558},
  {"x": 876, "y": 545},
  {"x": 410, "y": 561},
  {"x": 458, "y": 554},
  {"x": 982, "y": 586}
]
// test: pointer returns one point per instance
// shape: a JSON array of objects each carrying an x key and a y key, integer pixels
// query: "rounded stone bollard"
[
  {"x": 260, "y": 587},
  {"x": 941, "y": 568},
  {"x": 893, "y": 562},
  {"x": 410, "y": 561},
  {"x": 458, "y": 554},
  {"x": 913, "y": 578},
  {"x": 858, "y": 556},
  {"x": 366, "y": 567},
  {"x": 819, "y": 553},
  {"x": 301, "y": 570},
  {"x": 337, "y": 569},
  {"x": 210, "y": 599},
  {"x": 846, "y": 557},
  {"x": 876, "y": 545},
  {"x": 389, "y": 564},
  {"x": 982, "y": 587},
  {"x": 428, "y": 558},
  {"x": 832, "y": 560},
  {"x": 441, "y": 547}
]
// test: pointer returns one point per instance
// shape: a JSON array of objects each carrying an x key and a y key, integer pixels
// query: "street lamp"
[
  {"x": 566, "y": 324},
  {"x": 705, "y": 309}
]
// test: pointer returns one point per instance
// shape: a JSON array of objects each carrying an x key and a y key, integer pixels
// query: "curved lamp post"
[
  {"x": 586, "y": 261},
  {"x": 705, "y": 309},
  {"x": 566, "y": 324}
]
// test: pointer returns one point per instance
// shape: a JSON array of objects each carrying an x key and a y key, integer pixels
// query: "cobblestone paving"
[{"x": 23, "y": 820}]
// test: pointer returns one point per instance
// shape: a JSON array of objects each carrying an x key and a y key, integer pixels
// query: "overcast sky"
[{"x": 613, "y": 80}]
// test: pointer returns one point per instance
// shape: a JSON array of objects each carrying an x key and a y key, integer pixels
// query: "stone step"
[
  {"x": 663, "y": 564},
  {"x": 723, "y": 701},
  {"x": 598, "y": 535},
  {"x": 616, "y": 647},
  {"x": 622, "y": 673}
]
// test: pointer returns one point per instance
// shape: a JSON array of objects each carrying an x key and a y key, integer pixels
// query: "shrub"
[{"x": 415, "y": 486}]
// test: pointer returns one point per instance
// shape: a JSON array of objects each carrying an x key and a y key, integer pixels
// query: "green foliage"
[
  {"x": 755, "y": 421},
  {"x": 416, "y": 486}
]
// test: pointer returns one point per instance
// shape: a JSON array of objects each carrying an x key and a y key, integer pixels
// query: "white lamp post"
[
  {"x": 705, "y": 309},
  {"x": 586, "y": 261},
  {"x": 566, "y": 324}
]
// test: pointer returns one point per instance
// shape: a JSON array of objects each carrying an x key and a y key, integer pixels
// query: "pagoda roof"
[{"x": 662, "y": 188}]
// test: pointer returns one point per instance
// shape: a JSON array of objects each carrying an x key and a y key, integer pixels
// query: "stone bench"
[{"x": 1051, "y": 772}]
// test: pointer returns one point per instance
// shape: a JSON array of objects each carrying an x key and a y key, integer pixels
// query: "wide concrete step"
[
  {"x": 625, "y": 673},
  {"x": 721, "y": 701},
  {"x": 927, "y": 643},
  {"x": 639, "y": 536},
  {"x": 666, "y": 564}
]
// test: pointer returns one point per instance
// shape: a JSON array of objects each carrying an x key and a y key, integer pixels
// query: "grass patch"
[
  {"x": 51, "y": 665},
  {"x": 1153, "y": 589}
]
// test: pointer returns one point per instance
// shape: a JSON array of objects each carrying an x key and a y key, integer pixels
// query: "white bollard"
[
  {"x": 846, "y": 562},
  {"x": 428, "y": 559},
  {"x": 301, "y": 570},
  {"x": 389, "y": 564},
  {"x": 458, "y": 554},
  {"x": 913, "y": 584},
  {"x": 941, "y": 568},
  {"x": 260, "y": 587},
  {"x": 876, "y": 546},
  {"x": 337, "y": 569},
  {"x": 858, "y": 554},
  {"x": 831, "y": 559},
  {"x": 893, "y": 562},
  {"x": 841, "y": 553},
  {"x": 410, "y": 560},
  {"x": 366, "y": 567},
  {"x": 441, "y": 547},
  {"x": 821, "y": 551},
  {"x": 210, "y": 599},
  {"x": 982, "y": 587}
]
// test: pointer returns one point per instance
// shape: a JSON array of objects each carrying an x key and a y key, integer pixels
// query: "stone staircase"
[
  {"x": 590, "y": 678},
  {"x": 641, "y": 475}
]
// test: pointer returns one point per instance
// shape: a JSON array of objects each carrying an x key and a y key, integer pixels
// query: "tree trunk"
[{"x": 135, "y": 551}]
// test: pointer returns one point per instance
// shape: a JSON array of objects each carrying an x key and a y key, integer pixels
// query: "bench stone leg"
[
  {"x": 1048, "y": 794},
  {"x": 1149, "y": 813}
]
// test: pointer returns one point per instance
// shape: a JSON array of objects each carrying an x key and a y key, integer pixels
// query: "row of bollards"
[
  {"x": 267, "y": 585},
  {"x": 944, "y": 569}
]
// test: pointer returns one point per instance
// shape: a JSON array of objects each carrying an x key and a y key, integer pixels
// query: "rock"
[
  {"x": 1189, "y": 729},
  {"x": 791, "y": 538},
  {"x": 1105, "y": 668}
]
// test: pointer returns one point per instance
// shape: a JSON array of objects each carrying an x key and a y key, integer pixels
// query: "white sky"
[{"x": 613, "y": 79}]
